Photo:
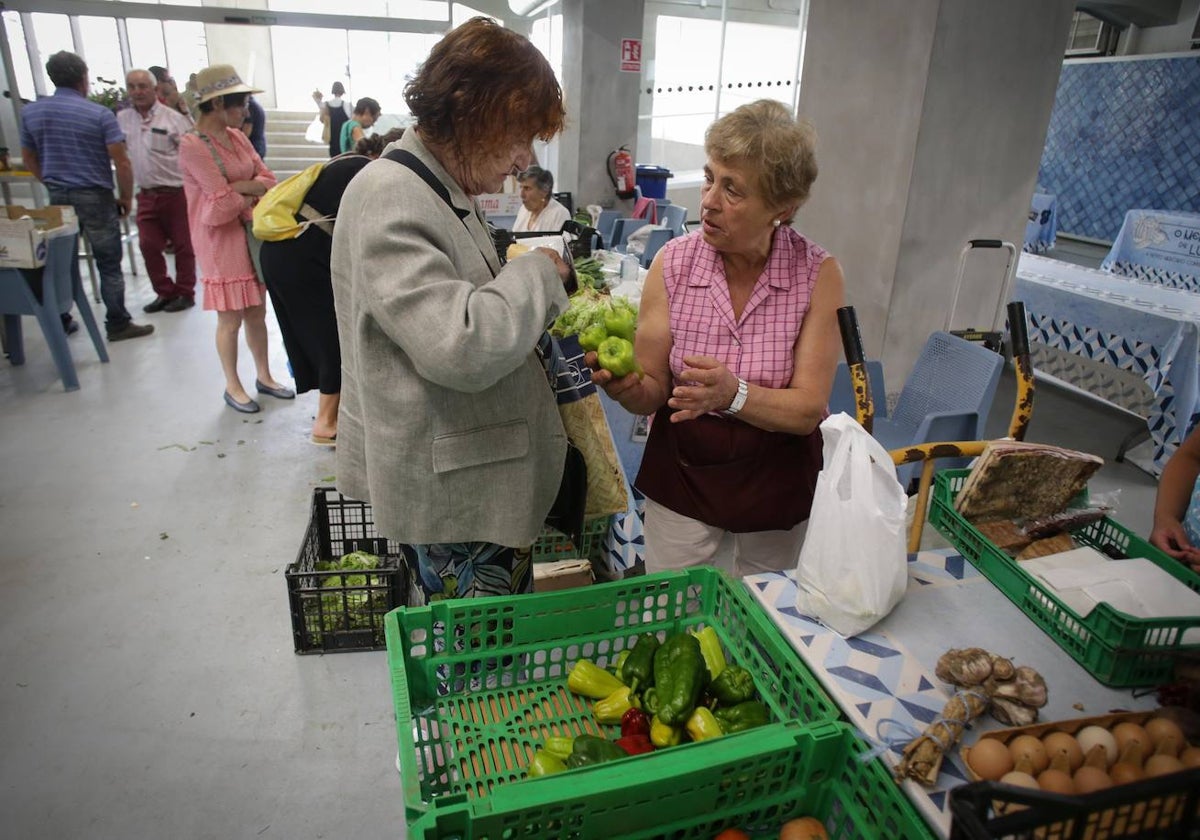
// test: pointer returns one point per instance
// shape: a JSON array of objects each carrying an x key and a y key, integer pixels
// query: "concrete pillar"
[
  {"x": 932, "y": 117},
  {"x": 595, "y": 86}
]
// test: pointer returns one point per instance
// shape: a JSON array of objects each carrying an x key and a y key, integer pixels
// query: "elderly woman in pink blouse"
[
  {"x": 223, "y": 177},
  {"x": 739, "y": 340}
]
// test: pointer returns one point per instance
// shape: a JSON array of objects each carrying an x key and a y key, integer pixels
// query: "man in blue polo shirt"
[{"x": 71, "y": 144}]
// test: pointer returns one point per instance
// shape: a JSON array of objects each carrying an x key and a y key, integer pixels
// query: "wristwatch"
[{"x": 739, "y": 399}]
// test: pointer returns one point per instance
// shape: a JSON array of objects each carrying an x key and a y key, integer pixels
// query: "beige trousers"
[{"x": 674, "y": 541}]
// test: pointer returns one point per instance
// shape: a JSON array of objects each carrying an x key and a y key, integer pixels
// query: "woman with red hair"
[{"x": 448, "y": 424}]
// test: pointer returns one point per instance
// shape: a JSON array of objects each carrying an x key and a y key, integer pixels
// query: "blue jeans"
[{"x": 100, "y": 222}]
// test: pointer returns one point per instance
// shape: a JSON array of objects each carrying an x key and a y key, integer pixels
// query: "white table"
[
  {"x": 1158, "y": 246},
  {"x": 1148, "y": 331},
  {"x": 888, "y": 672}
]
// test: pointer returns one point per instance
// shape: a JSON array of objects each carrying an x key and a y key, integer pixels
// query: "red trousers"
[{"x": 161, "y": 218}]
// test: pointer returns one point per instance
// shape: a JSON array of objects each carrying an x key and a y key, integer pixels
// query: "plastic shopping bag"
[
  {"x": 314, "y": 132},
  {"x": 853, "y": 567}
]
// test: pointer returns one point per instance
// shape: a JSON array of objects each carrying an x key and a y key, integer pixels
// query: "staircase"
[{"x": 287, "y": 150}]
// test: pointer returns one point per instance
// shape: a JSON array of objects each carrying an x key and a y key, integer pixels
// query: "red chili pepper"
[
  {"x": 635, "y": 722},
  {"x": 635, "y": 744}
]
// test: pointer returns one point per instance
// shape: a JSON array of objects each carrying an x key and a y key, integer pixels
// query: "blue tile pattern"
[{"x": 1123, "y": 134}]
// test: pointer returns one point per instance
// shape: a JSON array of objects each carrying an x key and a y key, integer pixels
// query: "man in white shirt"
[{"x": 152, "y": 133}]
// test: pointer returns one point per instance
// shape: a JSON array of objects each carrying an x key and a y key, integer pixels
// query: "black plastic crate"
[
  {"x": 346, "y": 615},
  {"x": 1162, "y": 808}
]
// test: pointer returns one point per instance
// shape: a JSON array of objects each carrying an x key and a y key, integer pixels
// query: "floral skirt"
[{"x": 440, "y": 571}]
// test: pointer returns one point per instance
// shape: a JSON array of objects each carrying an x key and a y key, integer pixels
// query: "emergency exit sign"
[{"x": 631, "y": 55}]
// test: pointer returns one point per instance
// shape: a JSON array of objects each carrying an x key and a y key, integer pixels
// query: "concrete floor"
[{"x": 151, "y": 689}]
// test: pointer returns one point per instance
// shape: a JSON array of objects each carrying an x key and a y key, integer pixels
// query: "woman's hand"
[
  {"x": 253, "y": 189},
  {"x": 560, "y": 265},
  {"x": 615, "y": 386},
  {"x": 1169, "y": 537},
  {"x": 705, "y": 385}
]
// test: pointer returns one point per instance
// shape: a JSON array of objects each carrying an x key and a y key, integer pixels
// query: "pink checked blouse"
[
  {"x": 216, "y": 214},
  {"x": 760, "y": 346}
]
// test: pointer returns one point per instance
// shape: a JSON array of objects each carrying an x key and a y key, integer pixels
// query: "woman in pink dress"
[{"x": 223, "y": 178}]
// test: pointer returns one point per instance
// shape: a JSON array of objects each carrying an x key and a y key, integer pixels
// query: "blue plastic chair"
[
  {"x": 621, "y": 230},
  {"x": 59, "y": 291},
  {"x": 654, "y": 243},
  {"x": 604, "y": 225},
  {"x": 674, "y": 217},
  {"x": 841, "y": 398},
  {"x": 947, "y": 397}
]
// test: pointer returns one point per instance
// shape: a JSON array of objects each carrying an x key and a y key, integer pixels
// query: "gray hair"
[
  {"x": 66, "y": 69},
  {"x": 542, "y": 179}
]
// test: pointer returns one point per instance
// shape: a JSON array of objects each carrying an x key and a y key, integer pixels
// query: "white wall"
[{"x": 247, "y": 48}]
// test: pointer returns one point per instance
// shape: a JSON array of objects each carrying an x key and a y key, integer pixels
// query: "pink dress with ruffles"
[{"x": 216, "y": 215}]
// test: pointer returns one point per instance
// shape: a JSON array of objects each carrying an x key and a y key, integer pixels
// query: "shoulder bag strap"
[{"x": 213, "y": 150}]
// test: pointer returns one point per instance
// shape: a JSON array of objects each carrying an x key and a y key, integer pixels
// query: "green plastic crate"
[
  {"x": 1116, "y": 648},
  {"x": 479, "y": 683},
  {"x": 554, "y": 545},
  {"x": 784, "y": 771}
]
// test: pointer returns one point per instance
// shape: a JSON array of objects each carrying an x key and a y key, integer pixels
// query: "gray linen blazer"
[{"x": 447, "y": 425}]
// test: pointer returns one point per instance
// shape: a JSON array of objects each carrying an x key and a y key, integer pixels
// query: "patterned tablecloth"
[
  {"x": 888, "y": 672},
  {"x": 1158, "y": 246},
  {"x": 1148, "y": 330},
  {"x": 1042, "y": 227}
]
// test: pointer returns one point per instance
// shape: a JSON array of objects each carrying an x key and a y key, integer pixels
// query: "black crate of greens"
[
  {"x": 1160, "y": 808},
  {"x": 345, "y": 578}
]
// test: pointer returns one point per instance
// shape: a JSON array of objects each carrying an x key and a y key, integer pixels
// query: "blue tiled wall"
[{"x": 1124, "y": 134}]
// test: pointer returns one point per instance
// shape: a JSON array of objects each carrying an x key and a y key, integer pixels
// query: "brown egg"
[
  {"x": 990, "y": 759},
  {"x": 1028, "y": 750},
  {"x": 1190, "y": 757},
  {"x": 1161, "y": 765},
  {"x": 1131, "y": 733},
  {"x": 1062, "y": 744},
  {"x": 1164, "y": 729},
  {"x": 1089, "y": 779},
  {"x": 1092, "y": 736},
  {"x": 1122, "y": 773},
  {"x": 1056, "y": 781},
  {"x": 1019, "y": 779}
]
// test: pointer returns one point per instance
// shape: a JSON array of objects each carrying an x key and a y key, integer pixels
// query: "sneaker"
[
  {"x": 130, "y": 330},
  {"x": 179, "y": 304},
  {"x": 158, "y": 304}
]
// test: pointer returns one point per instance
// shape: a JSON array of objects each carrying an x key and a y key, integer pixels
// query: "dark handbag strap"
[{"x": 407, "y": 158}]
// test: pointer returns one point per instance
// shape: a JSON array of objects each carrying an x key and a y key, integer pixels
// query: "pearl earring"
[{"x": 776, "y": 223}]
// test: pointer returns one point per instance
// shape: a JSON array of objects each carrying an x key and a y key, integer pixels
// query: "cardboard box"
[
  {"x": 24, "y": 232},
  {"x": 562, "y": 574}
]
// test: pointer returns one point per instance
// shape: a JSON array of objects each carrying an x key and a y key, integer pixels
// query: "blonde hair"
[{"x": 766, "y": 137}]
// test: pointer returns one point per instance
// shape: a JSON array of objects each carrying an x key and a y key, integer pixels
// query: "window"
[
  {"x": 703, "y": 63},
  {"x": 102, "y": 51}
]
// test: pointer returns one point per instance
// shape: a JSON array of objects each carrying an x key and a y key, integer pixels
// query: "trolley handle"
[
  {"x": 852, "y": 345},
  {"x": 986, "y": 243}
]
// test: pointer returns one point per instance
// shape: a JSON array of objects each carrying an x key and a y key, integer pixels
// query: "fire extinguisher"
[{"x": 620, "y": 171}]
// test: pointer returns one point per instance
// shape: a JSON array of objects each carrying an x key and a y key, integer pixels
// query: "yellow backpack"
[{"x": 276, "y": 212}]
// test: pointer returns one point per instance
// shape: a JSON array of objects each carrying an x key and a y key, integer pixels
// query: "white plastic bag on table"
[{"x": 853, "y": 567}]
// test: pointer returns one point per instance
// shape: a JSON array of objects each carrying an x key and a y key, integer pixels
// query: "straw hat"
[{"x": 218, "y": 80}]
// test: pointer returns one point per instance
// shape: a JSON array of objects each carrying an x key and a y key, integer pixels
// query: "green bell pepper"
[
  {"x": 544, "y": 764},
  {"x": 590, "y": 680},
  {"x": 734, "y": 685},
  {"x": 662, "y": 735},
  {"x": 637, "y": 672},
  {"x": 701, "y": 725},
  {"x": 559, "y": 746},
  {"x": 590, "y": 749},
  {"x": 679, "y": 677},
  {"x": 710, "y": 648},
  {"x": 743, "y": 716},
  {"x": 612, "y": 708}
]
